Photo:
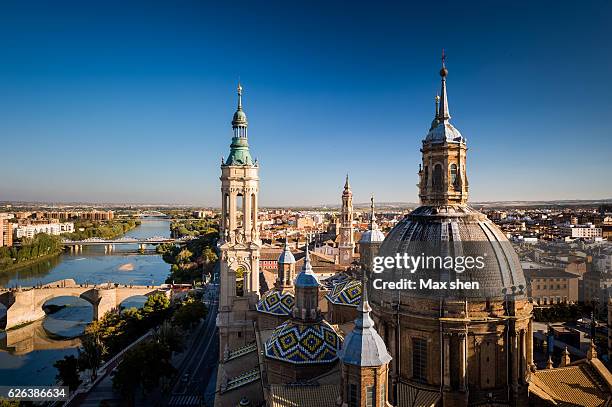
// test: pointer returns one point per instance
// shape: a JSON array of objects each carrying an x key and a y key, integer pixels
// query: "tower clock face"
[{"x": 346, "y": 255}]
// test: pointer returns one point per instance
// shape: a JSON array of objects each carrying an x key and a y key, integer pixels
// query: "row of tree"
[
  {"x": 110, "y": 229},
  {"x": 30, "y": 249},
  {"x": 115, "y": 331}
]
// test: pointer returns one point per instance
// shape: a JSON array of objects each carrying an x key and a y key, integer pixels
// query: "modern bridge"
[
  {"x": 25, "y": 305},
  {"x": 110, "y": 243}
]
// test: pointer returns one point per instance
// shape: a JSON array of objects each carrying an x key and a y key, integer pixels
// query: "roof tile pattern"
[
  {"x": 347, "y": 292},
  {"x": 303, "y": 343},
  {"x": 276, "y": 303}
]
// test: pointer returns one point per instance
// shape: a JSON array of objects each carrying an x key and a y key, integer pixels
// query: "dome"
[
  {"x": 239, "y": 119},
  {"x": 276, "y": 303},
  {"x": 307, "y": 277},
  {"x": 286, "y": 257},
  {"x": 463, "y": 231},
  {"x": 372, "y": 236},
  {"x": 301, "y": 343},
  {"x": 346, "y": 293},
  {"x": 363, "y": 346},
  {"x": 444, "y": 132}
]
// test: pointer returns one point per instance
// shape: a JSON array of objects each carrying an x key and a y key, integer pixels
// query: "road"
[{"x": 197, "y": 372}]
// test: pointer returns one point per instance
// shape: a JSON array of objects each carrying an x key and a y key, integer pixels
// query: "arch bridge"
[{"x": 24, "y": 305}]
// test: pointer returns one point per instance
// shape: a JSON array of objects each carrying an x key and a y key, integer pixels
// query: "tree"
[
  {"x": 93, "y": 350},
  {"x": 184, "y": 256},
  {"x": 142, "y": 367},
  {"x": 190, "y": 313},
  {"x": 68, "y": 372},
  {"x": 167, "y": 336}
]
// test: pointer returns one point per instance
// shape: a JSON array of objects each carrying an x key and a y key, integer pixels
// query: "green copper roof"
[{"x": 239, "y": 152}]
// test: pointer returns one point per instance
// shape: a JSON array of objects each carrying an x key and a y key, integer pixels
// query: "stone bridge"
[
  {"x": 24, "y": 305},
  {"x": 32, "y": 337}
]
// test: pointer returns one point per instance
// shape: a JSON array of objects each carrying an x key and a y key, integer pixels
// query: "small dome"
[
  {"x": 372, "y": 236},
  {"x": 307, "y": 277},
  {"x": 363, "y": 346},
  {"x": 286, "y": 257},
  {"x": 303, "y": 344},
  {"x": 346, "y": 293},
  {"x": 276, "y": 303},
  {"x": 444, "y": 132},
  {"x": 239, "y": 119}
]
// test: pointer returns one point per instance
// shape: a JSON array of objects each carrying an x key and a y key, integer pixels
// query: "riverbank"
[
  {"x": 29, "y": 263},
  {"x": 31, "y": 362}
]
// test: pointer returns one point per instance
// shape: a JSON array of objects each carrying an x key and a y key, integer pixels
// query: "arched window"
[
  {"x": 437, "y": 177},
  {"x": 240, "y": 281},
  {"x": 426, "y": 178},
  {"x": 453, "y": 173}
]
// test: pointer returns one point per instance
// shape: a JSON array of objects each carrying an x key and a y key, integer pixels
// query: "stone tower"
[
  {"x": 346, "y": 246},
  {"x": 443, "y": 179},
  {"x": 239, "y": 242}
]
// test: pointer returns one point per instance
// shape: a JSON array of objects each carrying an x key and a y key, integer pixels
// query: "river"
[{"x": 27, "y": 354}]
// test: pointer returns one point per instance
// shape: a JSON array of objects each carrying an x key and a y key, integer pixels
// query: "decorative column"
[
  {"x": 446, "y": 354},
  {"x": 463, "y": 361}
]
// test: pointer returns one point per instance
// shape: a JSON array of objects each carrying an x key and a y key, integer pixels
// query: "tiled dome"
[
  {"x": 346, "y": 293},
  {"x": 302, "y": 343},
  {"x": 276, "y": 303},
  {"x": 465, "y": 231}
]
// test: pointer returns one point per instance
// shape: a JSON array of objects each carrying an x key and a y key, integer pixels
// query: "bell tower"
[
  {"x": 239, "y": 241},
  {"x": 442, "y": 175},
  {"x": 346, "y": 246}
]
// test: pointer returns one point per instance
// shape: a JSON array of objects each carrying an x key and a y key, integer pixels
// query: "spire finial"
[
  {"x": 346, "y": 183},
  {"x": 443, "y": 113},
  {"x": 372, "y": 216},
  {"x": 239, "y": 95},
  {"x": 364, "y": 306}
]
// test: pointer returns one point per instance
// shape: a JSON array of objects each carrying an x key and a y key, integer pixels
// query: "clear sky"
[{"x": 115, "y": 102}]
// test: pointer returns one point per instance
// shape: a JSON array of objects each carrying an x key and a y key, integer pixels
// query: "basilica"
[{"x": 314, "y": 332}]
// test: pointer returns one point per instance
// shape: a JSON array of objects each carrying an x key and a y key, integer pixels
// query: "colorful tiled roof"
[
  {"x": 276, "y": 303},
  {"x": 303, "y": 343},
  {"x": 347, "y": 292}
]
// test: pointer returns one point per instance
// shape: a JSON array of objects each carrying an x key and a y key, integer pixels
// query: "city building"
[
  {"x": 29, "y": 231},
  {"x": 551, "y": 286},
  {"x": 588, "y": 231},
  {"x": 6, "y": 231}
]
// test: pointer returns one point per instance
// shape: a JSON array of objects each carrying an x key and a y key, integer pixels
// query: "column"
[
  {"x": 246, "y": 217},
  {"x": 529, "y": 344},
  {"x": 446, "y": 354},
  {"x": 463, "y": 361},
  {"x": 232, "y": 211}
]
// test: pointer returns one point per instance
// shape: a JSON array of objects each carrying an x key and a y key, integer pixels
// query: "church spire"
[
  {"x": 435, "y": 121},
  {"x": 363, "y": 346},
  {"x": 372, "y": 215},
  {"x": 239, "y": 149},
  {"x": 347, "y": 186},
  {"x": 443, "y": 113}
]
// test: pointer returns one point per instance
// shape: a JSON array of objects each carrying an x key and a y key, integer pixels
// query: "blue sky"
[{"x": 117, "y": 102}]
